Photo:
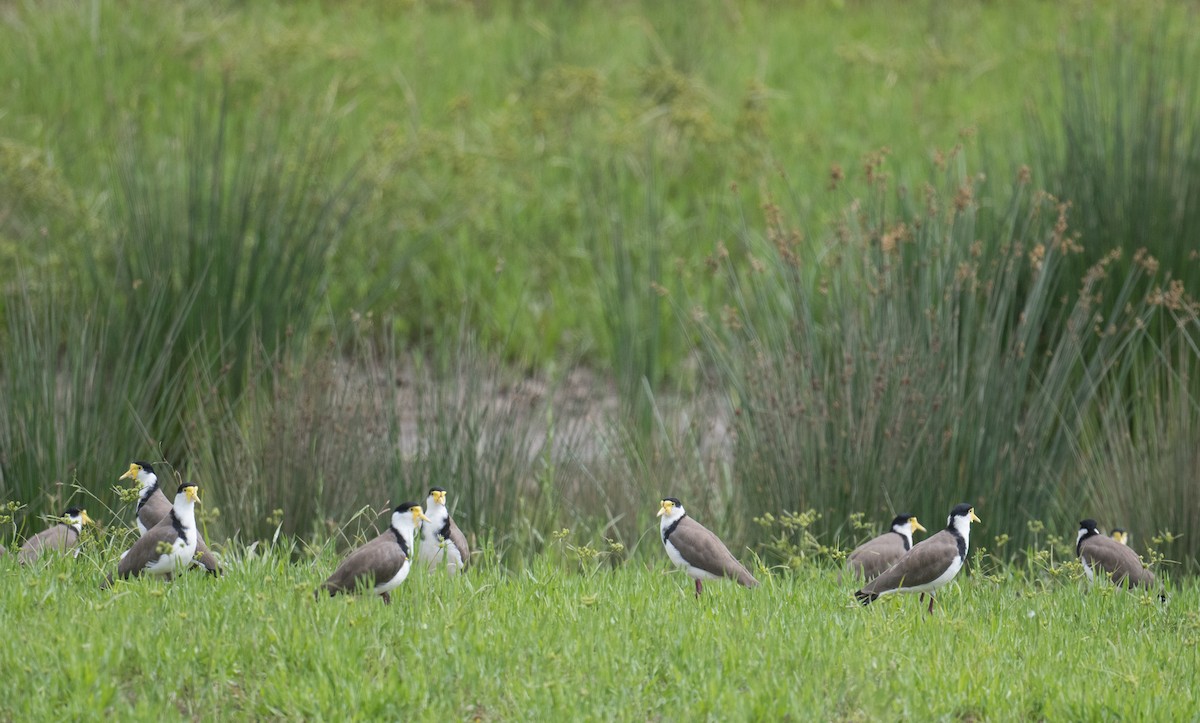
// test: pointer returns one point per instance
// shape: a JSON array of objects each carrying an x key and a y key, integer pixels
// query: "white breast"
[
  {"x": 180, "y": 552},
  {"x": 435, "y": 551},
  {"x": 396, "y": 580}
]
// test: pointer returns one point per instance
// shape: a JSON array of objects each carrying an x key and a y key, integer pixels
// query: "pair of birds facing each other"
[
  {"x": 61, "y": 537},
  {"x": 1111, "y": 556},
  {"x": 169, "y": 545},
  {"x": 383, "y": 563},
  {"x": 927, "y": 565}
]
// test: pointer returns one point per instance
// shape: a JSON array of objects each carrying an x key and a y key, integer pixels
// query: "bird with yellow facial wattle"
[
  {"x": 930, "y": 564},
  {"x": 384, "y": 562},
  {"x": 1121, "y": 535},
  {"x": 62, "y": 536},
  {"x": 442, "y": 543},
  {"x": 153, "y": 506},
  {"x": 1104, "y": 556},
  {"x": 697, "y": 550},
  {"x": 167, "y": 547},
  {"x": 870, "y": 559}
]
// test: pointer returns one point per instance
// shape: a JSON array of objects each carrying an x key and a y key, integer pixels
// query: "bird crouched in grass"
[
  {"x": 442, "y": 543},
  {"x": 870, "y": 559},
  {"x": 930, "y": 564},
  {"x": 1110, "y": 557},
  {"x": 61, "y": 536},
  {"x": 382, "y": 563},
  {"x": 169, "y": 545},
  {"x": 153, "y": 506},
  {"x": 1121, "y": 536},
  {"x": 693, "y": 547}
]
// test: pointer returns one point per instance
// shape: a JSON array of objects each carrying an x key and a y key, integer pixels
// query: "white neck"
[
  {"x": 437, "y": 514},
  {"x": 148, "y": 480},
  {"x": 76, "y": 524},
  {"x": 403, "y": 523},
  {"x": 185, "y": 510},
  {"x": 1082, "y": 533},
  {"x": 963, "y": 526},
  {"x": 904, "y": 531}
]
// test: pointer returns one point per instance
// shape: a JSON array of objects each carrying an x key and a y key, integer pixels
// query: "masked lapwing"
[
  {"x": 1109, "y": 557},
  {"x": 153, "y": 506},
  {"x": 930, "y": 564},
  {"x": 61, "y": 536},
  {"x": 870, "y": 559},
  {"x": 442, "y": 543},
  {"x": 168, "y": 546},
  {"x": 693, "y": 547},
  {"x": 1120, "y": 535},
  {"x": 382, "y": 563}
]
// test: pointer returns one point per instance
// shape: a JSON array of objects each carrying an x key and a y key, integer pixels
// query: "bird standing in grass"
[
  {"x": 930, "y": 564},
  {"x": 442, "y": 543},
  {"x": 153, "y": 506},
  {"x": 693, "y": 547},
  {"x": 62, "y": 536},
  {"x": 168, "y": 546},
  {"x": 873, "y": 557},
  {"x": 1110, "y": 557},
  {"x": 382, "y": 563}
]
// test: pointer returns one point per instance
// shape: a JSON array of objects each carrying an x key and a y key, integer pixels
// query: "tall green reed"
[
  {"x": 217, "y": 245},
  {"x": 1120, "y": 139},
  {"x": 923, "y": 355}
]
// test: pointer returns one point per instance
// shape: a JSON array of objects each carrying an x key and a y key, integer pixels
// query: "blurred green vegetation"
[{"x": 565, "y": 258}]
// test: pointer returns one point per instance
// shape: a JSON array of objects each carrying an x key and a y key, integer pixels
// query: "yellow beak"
[
  {"x": 439, "y": 497},
  {"x": 192, "y": 493},
  {"x": 917, "y": 525},
  {"x": 419, "y": 515},
  {"x": 131, "y": 473},
  {"x": 662, "y": 511},
  {"x": 83, "y": 517},
  {"x": 973, "y": 517}
]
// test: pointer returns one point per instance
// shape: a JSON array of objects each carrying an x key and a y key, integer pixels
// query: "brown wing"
[
  {"x": 145, "y": 549},
  {"x": 58, "y": 537},
  {"x": 156, "y": 508},
  {"x": 1120, "y": 562},
  {"x": 923, "y": 564},
  {"x": 460, "y": 541},
  {"x": 375, "y": 562},
  {"x": 870, "y": 559},
  {"x": 702, "y": 549}
]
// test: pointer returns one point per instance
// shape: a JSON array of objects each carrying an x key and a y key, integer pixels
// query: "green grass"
[{"x": 629, "y": 643}]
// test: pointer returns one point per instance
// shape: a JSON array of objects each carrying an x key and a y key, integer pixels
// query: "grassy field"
[{"x": 594, "y": 643}]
